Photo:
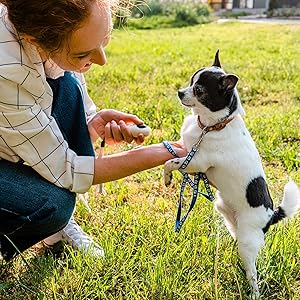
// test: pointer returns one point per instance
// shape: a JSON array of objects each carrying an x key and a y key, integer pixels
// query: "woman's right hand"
[{"x": 112, "y": 125}]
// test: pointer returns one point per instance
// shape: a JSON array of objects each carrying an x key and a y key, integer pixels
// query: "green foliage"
[
  {"x": 187, "y": 15},
  {"x": 284, "y": 12},
  {"x": 166, "y": 8},
  {"x": 134, "y": 222},
  {"x": 166, "y": 14},
  {"x": 149, "y": 8},
  {"x": 233, "y": 14},
  {"x": 276, "y": 10}
]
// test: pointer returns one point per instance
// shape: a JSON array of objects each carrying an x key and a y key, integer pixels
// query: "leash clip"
[{"x": 204, "y": 131}]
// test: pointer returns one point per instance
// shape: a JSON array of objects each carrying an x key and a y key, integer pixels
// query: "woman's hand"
[{"x": 111, "y": 125}]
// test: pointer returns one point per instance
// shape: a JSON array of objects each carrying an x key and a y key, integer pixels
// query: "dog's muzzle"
[{"x": 180, "y": 94}]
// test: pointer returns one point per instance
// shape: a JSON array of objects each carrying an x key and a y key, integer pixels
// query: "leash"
[{"x": 198, "y": 176}]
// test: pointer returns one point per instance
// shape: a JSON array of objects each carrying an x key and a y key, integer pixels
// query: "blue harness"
[
  {"x": 188, "y": 180},
  {"x": 197, "y": 176}
]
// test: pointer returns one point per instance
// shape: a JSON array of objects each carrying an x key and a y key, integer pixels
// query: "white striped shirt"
[{"x": 28, "y": 132}]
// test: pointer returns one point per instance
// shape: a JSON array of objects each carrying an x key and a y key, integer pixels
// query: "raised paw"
[
  {"x": 170, "y": 165},
  {"x": 168, "y": 177}
]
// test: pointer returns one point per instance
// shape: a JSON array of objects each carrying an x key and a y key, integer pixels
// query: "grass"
[{"x": 134, "y": 222}]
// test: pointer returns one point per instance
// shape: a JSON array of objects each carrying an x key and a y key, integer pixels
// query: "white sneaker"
[{"x": 77, "y": 238}]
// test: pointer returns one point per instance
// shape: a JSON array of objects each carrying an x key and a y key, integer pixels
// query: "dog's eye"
[{"x": 197, "y": 90}]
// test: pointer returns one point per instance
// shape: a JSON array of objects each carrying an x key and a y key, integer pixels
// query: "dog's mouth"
[{"x": 187, "y": 105}]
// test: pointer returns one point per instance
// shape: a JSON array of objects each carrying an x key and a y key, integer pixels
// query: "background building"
[{"x": 252, "y": 4}]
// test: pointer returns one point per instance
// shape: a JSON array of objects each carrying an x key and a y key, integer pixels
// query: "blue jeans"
[{"x": 31, "y": 208}]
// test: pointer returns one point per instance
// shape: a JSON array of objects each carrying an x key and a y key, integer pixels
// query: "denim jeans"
[{"x": 31, "y": 208}]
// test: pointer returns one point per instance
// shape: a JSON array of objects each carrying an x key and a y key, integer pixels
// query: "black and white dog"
[{"x": 231, "y": 162}]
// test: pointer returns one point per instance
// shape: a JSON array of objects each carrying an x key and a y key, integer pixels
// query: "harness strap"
[
  {"x": 193, "y": 183},
  {"x": 179, "y": 222},
  {"x": 170, "y": 148},
  {"x": 188, "y": 159}
]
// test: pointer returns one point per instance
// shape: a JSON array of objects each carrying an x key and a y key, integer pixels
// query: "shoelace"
[
  {"x": 80, "y": 240},
  {"x": 74, "y": 233}
]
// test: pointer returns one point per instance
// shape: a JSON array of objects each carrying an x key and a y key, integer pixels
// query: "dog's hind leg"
[
  {"x": 228, "y": 215},
  {"x": 250, "y": 240}
]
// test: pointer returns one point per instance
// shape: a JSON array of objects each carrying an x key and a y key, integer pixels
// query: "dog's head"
[{"x": 213, "y": 89}]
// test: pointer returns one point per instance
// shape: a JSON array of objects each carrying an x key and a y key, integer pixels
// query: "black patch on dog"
[
  {"x": 233, "y": 104},
  {"x": 209, "y": 92},
  {"x": 278, "y": 215},
  {"x": 257, "y": 193},
  {"x": 266, "y": 228}
]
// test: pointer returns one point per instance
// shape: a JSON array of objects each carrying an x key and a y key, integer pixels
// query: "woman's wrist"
[
  {"x": 119, "y": 165},
  {"x": 164, "y": 154}
]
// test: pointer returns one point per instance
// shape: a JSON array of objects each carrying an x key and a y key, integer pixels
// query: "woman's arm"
[{"x": 116, "y": 166}]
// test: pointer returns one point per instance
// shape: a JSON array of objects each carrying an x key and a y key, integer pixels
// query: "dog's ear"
[
  {"x": 217, "y": 61},
  {"x": 228, "y": 82}
]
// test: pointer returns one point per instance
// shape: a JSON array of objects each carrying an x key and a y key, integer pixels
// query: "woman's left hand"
[{"x": 112, "y": 125}]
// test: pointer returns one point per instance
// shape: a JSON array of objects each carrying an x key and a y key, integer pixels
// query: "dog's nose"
[{"x": 180, "y": 94}]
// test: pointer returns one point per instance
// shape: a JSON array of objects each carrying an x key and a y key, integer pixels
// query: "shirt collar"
[{"x": 52, "y": 70}]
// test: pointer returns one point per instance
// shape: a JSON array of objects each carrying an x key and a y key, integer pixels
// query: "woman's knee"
[{"x": 57, "y": 211}]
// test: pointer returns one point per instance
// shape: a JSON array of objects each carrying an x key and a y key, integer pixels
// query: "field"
[{"x": 145, "y": 258}]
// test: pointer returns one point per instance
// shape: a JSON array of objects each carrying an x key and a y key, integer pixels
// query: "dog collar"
[{"x": 218, "y": 126}]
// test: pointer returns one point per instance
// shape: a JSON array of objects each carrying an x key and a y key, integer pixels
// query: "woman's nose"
[{"x": 99, "y": 57}]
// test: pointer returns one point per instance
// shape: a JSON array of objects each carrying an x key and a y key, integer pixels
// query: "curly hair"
[{"x": 49, "y": 22}]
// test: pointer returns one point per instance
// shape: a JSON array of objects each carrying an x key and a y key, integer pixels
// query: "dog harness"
[{"x": 197, "y": 176}]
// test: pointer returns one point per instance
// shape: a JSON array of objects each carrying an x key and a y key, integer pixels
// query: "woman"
[{"x": 48, "y": 122}]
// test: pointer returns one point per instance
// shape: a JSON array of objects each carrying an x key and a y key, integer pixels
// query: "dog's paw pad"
[{"x": 168, "y": 179}]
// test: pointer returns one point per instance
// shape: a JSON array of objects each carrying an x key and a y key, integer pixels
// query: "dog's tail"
[{"x": 290, "y": 203}]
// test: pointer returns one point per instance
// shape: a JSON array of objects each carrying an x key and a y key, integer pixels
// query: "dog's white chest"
[{"x": 228, "y": 156}]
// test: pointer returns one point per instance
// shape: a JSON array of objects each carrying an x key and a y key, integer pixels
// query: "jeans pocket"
[{"x": 11, "y": 221}]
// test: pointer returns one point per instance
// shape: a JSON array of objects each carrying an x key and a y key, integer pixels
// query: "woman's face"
[{"x": 86, "y": 45}]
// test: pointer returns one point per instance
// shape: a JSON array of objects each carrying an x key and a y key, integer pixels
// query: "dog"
[{"x": 229, "y": 158}]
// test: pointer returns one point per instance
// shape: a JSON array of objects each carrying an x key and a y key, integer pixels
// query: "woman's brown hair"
[{"x": 49, "y": 22}]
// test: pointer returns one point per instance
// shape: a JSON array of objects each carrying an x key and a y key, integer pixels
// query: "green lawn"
[{"x": 134, "y": 222}]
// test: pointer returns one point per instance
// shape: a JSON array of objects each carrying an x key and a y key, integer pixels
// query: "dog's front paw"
[
  {"x": 170, "y": 166},
  {"x": 168, "y": 173},
  {"x": 168, "y": 178}
]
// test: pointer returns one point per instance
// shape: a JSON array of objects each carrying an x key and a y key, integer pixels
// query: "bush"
[
  {"x": 152, "y": 8},
  {"x": 186, "y": 15},
  {"x": 284, "y": 12},
  {"x": 203, "y": 10},
  {"x": 234, "y": 14},
  {"x": 155, "y": 13}
]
